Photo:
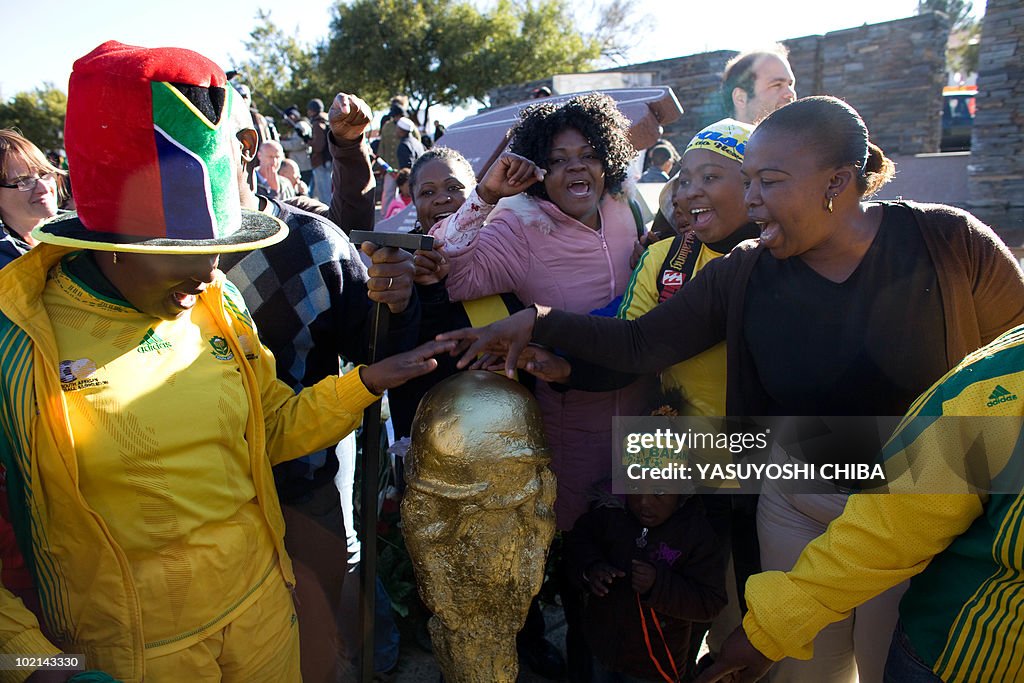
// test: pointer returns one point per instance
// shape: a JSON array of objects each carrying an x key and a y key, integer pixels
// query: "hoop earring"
[{"x": 829, "y": 205}]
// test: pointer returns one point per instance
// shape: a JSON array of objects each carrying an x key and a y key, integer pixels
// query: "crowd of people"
[{"x": 225, "y": 297}]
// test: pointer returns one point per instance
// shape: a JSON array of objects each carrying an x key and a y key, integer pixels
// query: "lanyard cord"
[{"x": 647, "y": 640}]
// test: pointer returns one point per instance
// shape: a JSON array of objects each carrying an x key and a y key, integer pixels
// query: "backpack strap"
[
  {"x": 638, "y": 217},
  {"x": 679, "y": 264}
]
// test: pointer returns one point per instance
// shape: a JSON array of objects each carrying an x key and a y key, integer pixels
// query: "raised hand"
[
  {"x": 509, "y": 175},
  {"x": 391, "y": 276},
  {"x": 349, "y": 117},
  {"x": 506, "y": 337}
]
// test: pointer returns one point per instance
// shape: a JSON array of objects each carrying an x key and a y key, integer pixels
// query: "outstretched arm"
[
  {"x": 879, "y": 541},
  {"x": 690, "y": 322}
]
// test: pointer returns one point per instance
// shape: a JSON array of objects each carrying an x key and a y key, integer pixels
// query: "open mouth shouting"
[
  {"x": 579, "y": 188},
  {"x": 701, "y": 217},
  {"x": 575, "y": 179},
  {"x": 771, "y": 232}
]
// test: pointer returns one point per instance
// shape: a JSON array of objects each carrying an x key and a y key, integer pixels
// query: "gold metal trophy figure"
[{"x": 478, "y": 520}]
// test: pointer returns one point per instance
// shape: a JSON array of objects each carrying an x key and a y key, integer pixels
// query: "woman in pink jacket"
[{"x": 565, "y": 239}]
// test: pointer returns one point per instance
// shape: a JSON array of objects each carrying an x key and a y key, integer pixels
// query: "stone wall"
[
  {"x": 996, "y": 170},
  {"x": 892, "y": 73}
]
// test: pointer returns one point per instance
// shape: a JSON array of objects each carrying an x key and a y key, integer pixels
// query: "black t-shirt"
[{"x": 866, "y": 346}]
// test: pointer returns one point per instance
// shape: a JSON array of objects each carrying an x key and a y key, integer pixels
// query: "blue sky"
[{"x": 42, "y": 39}]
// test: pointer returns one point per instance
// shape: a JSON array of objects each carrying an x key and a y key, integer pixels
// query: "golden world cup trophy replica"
[{"x": 478, "y": 519}]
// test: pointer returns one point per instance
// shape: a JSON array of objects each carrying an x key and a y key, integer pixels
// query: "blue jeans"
[
  {"x": 904, "y": 665},
  {"x": 321, "y": 188}
]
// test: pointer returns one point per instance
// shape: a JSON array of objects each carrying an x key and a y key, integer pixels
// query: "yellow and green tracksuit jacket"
[
  {"x": 82, "y": 575},
  {"x": 962, "y": 545}
]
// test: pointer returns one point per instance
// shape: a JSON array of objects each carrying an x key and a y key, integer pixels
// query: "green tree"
[
  {"x": 280, "y": 69},
  {"x": 958, "y": 11},
  {"x": 965, "y": 33},
  {"x": 535, "y": 39},
  {"x": 39, "y": 115},
  {"x": 963, "y": 55},
  {"x": 446, "y": 51}
]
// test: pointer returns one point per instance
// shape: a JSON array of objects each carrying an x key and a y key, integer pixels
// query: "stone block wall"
[
  {"x": 892, "y": 73},
  {"x": 695, "y": 80},
  {"x": 805, "y": 56},
  {"x": 995, "y": 179}
]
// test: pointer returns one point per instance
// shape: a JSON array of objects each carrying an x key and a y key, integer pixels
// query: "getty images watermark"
[{"x": 814, "y": 454}]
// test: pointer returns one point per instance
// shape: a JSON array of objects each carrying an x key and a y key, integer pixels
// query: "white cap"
[{"x": 405, "y": 124}]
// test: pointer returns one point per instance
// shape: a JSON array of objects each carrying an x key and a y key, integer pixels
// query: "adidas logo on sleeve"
[{"x": 1000, "y": 395}]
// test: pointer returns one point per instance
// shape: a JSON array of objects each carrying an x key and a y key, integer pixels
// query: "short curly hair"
[{"x": 595, "y": 116}]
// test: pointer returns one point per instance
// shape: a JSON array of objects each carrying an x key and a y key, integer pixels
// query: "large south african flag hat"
[{"x": 152, "y": 156}]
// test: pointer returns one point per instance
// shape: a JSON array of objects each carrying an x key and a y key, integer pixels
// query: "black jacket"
[{"x": 690, "y": 585}]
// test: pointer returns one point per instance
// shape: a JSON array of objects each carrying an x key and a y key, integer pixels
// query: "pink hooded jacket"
[{"x": 531, "y": 248}]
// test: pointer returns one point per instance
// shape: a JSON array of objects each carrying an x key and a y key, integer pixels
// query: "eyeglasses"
[{"x": 28, "y": 183}]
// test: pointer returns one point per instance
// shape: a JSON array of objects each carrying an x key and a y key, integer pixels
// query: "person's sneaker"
[{"x": 543, "y": 658}]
